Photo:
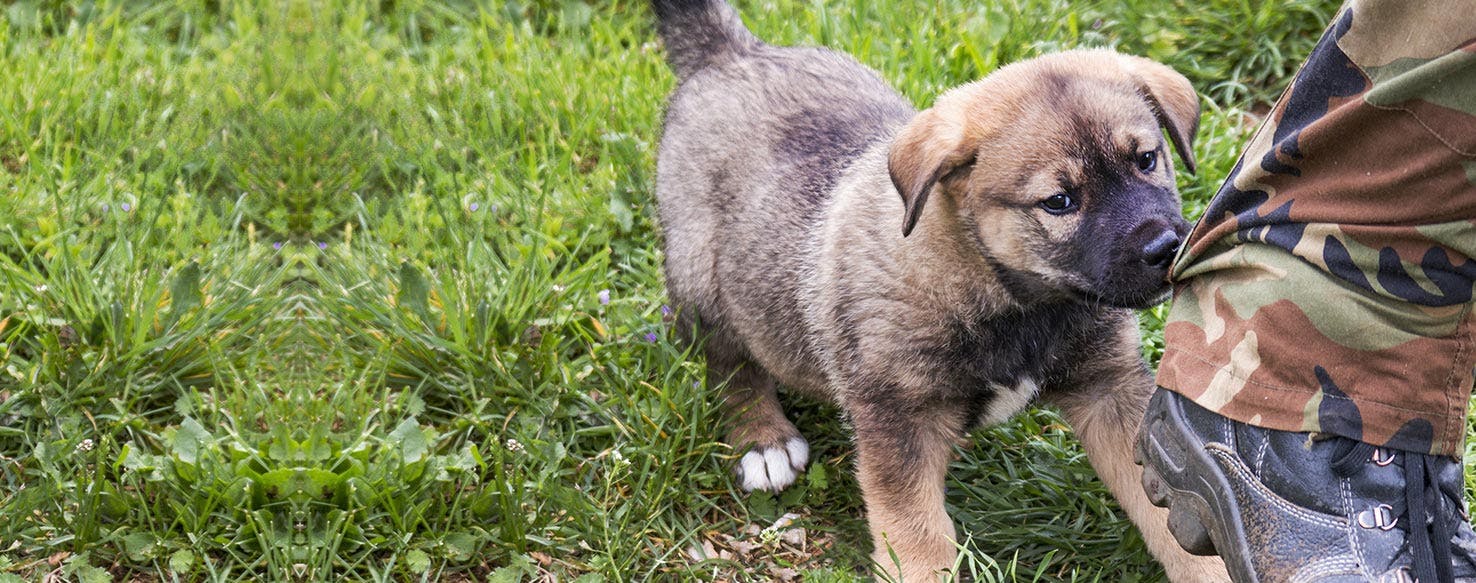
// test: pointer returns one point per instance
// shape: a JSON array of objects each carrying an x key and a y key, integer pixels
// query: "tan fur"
[
  {"x": 904, "y": 498},
  {"x": 1106, "y": 418},
  {"x": 1175, "y": 103},
  {"x": 783, "y": 177}
]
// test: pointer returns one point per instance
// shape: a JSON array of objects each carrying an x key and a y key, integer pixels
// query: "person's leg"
[{"x": 1323, "y": 318}]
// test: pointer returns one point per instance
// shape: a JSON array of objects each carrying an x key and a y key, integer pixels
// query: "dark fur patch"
[
  {"x": 820, "y": 142},
  {"x": 698, "y": 32},
  {"x": 1021, "y": 286},
  {"x": 722, "y": 189},
  {"x": 975, "y": 356},
  {"x": 1039, "y": 342}
]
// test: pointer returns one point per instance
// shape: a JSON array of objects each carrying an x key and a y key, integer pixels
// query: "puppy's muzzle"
[
  {"x": 1159, "y": 252},
  {"x": 1157, "y": 241}
]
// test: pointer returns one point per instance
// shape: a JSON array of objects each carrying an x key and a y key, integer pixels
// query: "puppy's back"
[{"x": 754, "y": 141}]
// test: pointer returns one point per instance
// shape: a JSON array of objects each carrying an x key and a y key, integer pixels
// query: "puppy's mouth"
[{"x": 1134, "y": 301}]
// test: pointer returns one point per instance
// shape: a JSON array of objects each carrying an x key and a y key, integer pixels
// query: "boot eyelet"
[
  {"x": 1380, "y": 517},
  {"x": 1400, "y": 575},
  {"x": 1382, "y": 457}
]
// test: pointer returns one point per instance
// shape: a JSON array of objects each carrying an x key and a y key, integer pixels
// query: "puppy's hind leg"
[{"x": 775, "y": 452}]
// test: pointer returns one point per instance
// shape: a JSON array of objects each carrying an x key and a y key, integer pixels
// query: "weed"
[{"x": 361, "y": 290}]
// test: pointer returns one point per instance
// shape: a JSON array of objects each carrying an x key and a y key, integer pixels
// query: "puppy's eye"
[
  {"x": 1059, "y": 204},
  {"x": 1147, "y": 161}
]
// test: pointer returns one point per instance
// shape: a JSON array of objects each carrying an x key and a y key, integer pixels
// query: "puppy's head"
[{"x": 1057, "y": 170}]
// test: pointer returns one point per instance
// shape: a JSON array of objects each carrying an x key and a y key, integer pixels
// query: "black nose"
[{"x": 1160, "y": 251}]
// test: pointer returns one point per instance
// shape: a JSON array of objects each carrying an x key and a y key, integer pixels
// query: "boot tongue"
[{"x": 1302, "y": 471}]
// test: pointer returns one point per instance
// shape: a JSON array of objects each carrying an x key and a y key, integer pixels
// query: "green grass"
[{"x": 310, "y": 290}]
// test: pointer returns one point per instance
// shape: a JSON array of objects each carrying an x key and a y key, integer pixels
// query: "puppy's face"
[
  {"x": 1058, "y": 173},
  {"x": 1077, "y": 197}
]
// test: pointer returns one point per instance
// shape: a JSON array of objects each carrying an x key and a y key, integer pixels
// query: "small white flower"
[
  {"x": 41, "y": 288},
  {"x": 86, "y": 445},
  {"x": 514, "y": 446},
  {"x": 558, "y": 289},
  {"x": 604, "y": 297}
]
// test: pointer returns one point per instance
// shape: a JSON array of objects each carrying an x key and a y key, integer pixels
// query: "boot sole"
[{"x": 1203, "y": 515}]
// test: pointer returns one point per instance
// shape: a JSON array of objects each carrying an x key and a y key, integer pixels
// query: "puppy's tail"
[{"x": 700, "y": 33}]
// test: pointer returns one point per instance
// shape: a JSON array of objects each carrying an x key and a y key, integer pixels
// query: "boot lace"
[{"x": 1428, "y": 507}]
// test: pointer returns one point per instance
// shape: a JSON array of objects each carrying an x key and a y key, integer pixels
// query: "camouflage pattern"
[{"x": 1328, "y": 286}]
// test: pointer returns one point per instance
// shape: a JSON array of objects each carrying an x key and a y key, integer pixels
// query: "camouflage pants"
[{"x": 1328, "y": 286}]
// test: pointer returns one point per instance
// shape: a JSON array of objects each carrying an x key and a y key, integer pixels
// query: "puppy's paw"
[{"x": 773, "y": 468}]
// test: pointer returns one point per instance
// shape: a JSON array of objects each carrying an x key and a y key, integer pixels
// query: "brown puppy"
[{"x": 927, "y": 271}]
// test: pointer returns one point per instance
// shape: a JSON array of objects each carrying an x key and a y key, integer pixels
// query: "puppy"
[{"x": 929, "y": 272}]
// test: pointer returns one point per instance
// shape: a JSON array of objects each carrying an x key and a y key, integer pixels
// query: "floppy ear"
[
  {"x": 1174, "y": 103},
  {"x": 926, "y": 150}
]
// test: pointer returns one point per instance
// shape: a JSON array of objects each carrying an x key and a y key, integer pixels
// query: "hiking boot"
[{"x": 1282, "y": 506}]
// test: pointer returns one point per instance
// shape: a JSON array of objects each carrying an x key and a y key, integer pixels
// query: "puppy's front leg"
[
  {"x": 903, "y": 460},
  {"x": 1105, "y": 407}
]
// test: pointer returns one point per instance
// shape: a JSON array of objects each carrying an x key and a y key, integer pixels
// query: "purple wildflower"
[
  {"x": 651, "y": 337},
  {"x": 474, "y": 207},
  {"x": 665, "y": 311},
  {"x": 604, "y": 297},
  {"x": 126, "y": 207},
  {"x": 106, "y": 207},
  {"x": 322, "y": 245},
  {"x": 277, "y": 245}
]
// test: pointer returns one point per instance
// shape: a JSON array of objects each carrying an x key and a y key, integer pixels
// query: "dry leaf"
[
  {"x": 744, "y": 547},
  {"x": 793, "y": 536}
]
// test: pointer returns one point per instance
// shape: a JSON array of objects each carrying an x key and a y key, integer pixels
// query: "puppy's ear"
[
  {"x": 1174, "y": 103},
  {"x": 927, "y": 149}
]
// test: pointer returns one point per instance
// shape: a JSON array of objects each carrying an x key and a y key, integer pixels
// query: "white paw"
[{"x": 772, "y": 468}]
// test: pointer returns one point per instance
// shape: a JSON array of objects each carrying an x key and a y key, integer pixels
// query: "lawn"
[{"x": 310, "y": 290}]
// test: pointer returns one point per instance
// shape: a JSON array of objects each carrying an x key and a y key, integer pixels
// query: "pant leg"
[{"x": 1328, "y": 287}]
